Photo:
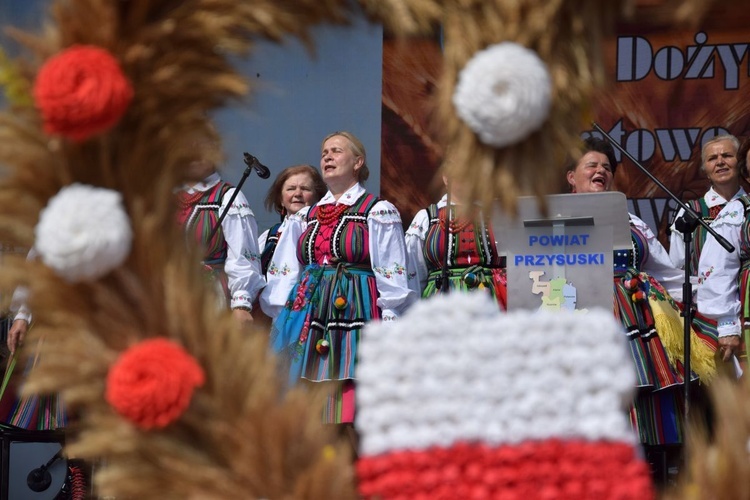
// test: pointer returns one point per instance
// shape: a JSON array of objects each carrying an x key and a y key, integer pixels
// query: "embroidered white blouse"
[
  {"x": 241, "y": 234},
  {"x": 718, "y": 272},
  {"x": 415, "y": 235},
  {"x": 264, "y": 236},
  {"x": 658, "y": 264},
  {"x": 387, "y": 254},
  {"x": 676, "y": 245}
]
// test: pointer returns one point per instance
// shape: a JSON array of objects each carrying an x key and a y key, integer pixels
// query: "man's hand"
[{"x": 728, "y": 346}]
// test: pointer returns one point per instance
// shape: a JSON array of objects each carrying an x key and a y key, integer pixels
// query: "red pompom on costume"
[
  {"x": 152, "y": 383},
  {"x": 81, "y": 92}
]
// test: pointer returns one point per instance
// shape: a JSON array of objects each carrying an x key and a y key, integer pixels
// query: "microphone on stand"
[{"x": 252, "y": 162}]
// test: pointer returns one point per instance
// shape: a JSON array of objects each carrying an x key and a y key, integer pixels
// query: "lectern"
[{"x": 563, "y": 258}]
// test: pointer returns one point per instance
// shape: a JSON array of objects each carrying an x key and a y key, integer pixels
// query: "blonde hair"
[
  {"x": 718, "y": 138},
  {"x": 357, "y": 148}
]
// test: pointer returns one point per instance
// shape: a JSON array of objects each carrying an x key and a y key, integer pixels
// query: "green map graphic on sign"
[{"x": 556, "y": 294}]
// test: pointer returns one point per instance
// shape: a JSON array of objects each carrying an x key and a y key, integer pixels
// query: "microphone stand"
[
  {"x": 444, "y": 276},
  {"x": 687, "y": 224},
  {"x": 250, "y": 161}
]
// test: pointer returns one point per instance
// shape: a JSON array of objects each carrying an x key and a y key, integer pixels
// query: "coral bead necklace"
[
  {"x": 455, "y": 225},
  {"x": 185, "y": 199},
  {"x": 330, "y": 213}
]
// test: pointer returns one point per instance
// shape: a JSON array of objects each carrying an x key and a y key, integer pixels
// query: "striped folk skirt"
[
  {"x": 317, "y": 333},
  {"x": 654, "y": 328},
  {"x": 39, "y": 413}
]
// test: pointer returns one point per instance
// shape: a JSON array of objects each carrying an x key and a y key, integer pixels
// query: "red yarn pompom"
[
  {"x": 81, "y": 92},
  {"x": 152, "y": 383}
]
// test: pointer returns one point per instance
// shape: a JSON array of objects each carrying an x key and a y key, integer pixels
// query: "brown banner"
[{"x": 670, "y": 90}]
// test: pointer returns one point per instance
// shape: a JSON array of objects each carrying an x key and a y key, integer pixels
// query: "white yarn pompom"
[
  {"x": 503, "y": 93},
  {"x": 83, "y": 232}
]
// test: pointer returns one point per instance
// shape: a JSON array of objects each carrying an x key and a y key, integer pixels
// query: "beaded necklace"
[
  {"x": 455, "y": 225},
  {"x": 186, "y": 199},
  {"x": 330, "y": 213}
]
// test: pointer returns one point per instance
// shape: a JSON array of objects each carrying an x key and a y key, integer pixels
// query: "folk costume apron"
[
  {"x": 473, "y": 262},
  {"x": 317, "y": 333}
]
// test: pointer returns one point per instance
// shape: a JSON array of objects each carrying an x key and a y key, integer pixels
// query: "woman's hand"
[
  {"x": 728, "y": 346},
  {"x": 16, "y": 334},
  {"x": 242, "y": 315}
]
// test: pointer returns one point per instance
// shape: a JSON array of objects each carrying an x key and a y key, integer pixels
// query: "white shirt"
[
  {"x": 718, "y": 272},
  {"x": 263, "y": 238},
  {"x": 18, "y": 304},
  {"x": 242, "y": 266},
  {"x": 19, "y": 308},
  {"x": 676, "y": 244},
  {"x": 387, "y": 254},
  {"x": 657, "y": 263}
]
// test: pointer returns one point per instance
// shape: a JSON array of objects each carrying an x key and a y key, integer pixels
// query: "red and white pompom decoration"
[
  {"x": 522, "y": 405},
  {"x": 84, "y": 232},
  {"x": 82, "y": 91},
  {"x": 503, "y": 94},
  {"x": 152, "y": 383}
]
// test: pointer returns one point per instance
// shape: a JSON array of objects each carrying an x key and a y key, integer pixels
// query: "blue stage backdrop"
[{"x": 299, "y": 97}]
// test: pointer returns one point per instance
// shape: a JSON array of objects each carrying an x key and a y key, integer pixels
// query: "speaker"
[
  {"x": 5, "y": 324},
  {"x": 32, "y": 465}
]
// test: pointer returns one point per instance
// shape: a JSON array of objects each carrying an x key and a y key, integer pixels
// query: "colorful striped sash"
[{"x": 699, "y": 235}]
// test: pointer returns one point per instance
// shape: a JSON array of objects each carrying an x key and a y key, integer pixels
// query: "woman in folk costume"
[
  {"x": 721, "y": 164},
  {"x": 647, "y": 286},
  {"x": 473, "y": 262},
  {"x": 231, "y": 254},
  {"x": 295, "y": 188},
  {"x": 338, "y": 265},
  {"x": 724, "y": 277}
]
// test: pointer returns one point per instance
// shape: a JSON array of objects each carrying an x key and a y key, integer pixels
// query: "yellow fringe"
[
  {"x": 669, "y": 324},
  {"x": 16, "y": 88}
]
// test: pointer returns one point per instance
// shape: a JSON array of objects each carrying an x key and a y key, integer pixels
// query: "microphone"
[
  {"x": 252, "y": 162},
  {"x": 40, "y": 478}
]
